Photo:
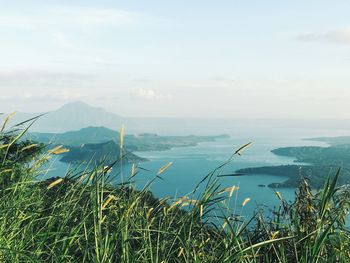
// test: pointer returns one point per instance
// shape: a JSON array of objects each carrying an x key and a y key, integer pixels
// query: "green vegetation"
[
  {"x": 318, "y": 164},
  {"x": 95, "y": 153},
  {"x": 83, "y": 218},
  {"x": 334, "y": 155},
  {"x": 142, "y": 142},
  {"x": 316, "y": 175}
]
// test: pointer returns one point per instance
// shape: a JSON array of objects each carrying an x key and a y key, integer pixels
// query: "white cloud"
[
  {"x": 96, "y": 16},
  {"x": 69, "y": 95},
  {"x": 338, "y": 36},
  {"x": 18, "y": 22},
  {"x": 150, "y": 94},
  {"x": 61, "y": 17},
  {"x": 55, "y": 95},
  {"x": 17, "y": 78}
]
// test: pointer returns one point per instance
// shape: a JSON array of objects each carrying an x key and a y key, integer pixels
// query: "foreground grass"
[{"x": 83, "y": 218}]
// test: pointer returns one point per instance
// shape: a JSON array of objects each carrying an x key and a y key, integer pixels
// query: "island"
[{"x": 314, "y": 163}]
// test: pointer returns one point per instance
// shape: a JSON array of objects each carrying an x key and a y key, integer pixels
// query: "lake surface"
[{"x": 191, "y": 164}]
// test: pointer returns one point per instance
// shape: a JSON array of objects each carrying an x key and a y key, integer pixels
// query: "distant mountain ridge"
[
  {"x": 76, "y": 138},
  {"x": 72, "y": 116},
  {"x": 142, "y": 142},
  {"x": 100, "y": 143}
]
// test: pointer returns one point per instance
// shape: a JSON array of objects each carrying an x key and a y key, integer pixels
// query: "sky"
[{"x": 183, "y": 58}]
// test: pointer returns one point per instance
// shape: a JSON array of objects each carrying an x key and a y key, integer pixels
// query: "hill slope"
[{"x": 107, "y": 152}]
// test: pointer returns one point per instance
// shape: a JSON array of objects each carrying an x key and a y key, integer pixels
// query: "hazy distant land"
[
  {"x": 334, "y": 141},
  {"x": 77, "y": 115},
  {"x": 72, "y": 116},
  {"x": 98, "y": 142}
]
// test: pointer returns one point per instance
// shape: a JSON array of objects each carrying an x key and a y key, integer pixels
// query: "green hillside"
[
  {"x": 107, "y": 152},
  {"x": 142, "y": 142},
  {"x": 316, "y": 164}
]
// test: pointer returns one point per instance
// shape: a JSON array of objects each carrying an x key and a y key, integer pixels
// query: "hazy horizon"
[
  {"x": 219, "y": 118},
  {"x": 183, "y": 59}
]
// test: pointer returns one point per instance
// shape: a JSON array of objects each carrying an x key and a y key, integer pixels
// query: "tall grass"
[{"x": 83, "y": 218}]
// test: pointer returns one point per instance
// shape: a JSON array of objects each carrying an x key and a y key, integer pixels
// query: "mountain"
[
  {"x": 72, "y": 116},
  {"x": 106, "y": 152}
]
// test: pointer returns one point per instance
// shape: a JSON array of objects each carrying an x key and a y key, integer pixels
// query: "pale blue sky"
[{"x": 268, "y": 59}]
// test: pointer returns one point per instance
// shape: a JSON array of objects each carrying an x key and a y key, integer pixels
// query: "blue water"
[{"x": 191, "y": 164}]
